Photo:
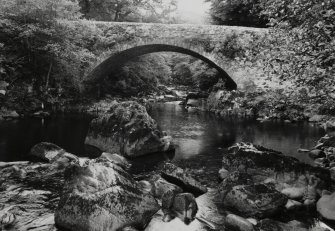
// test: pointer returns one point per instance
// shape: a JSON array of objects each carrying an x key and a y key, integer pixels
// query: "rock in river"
[
  {"x": 100, "y": 195},
  {"x": 326, "y": 206},
  {"x": 259, "y": 200},
  {"x": 127, "y": 129},
  {"x": 238, "y": 223},
  {"x": 178, "y": 176},
  {"x": 46, "y": 152},
  {"x": 263, "y": 164}
]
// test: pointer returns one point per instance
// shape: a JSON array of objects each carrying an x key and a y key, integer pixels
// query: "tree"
[
  {"x": 301, "y": 47},
  {"x": 31, "y": 37},
  {"x": 129, "y": 10},
  {"x": 237, "y": 13},
  {"x": 141, "y": 75}
]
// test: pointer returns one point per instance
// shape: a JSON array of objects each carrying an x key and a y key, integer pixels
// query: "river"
[{"x": 201, "y": 138}]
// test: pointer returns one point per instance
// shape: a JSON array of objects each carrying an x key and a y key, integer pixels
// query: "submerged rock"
[
  {"x": 326, "y": 206},
  {"x": 258, "y": 200},
  {"x": 100, "y": 195},
  {"x": 127, "y": 129},
  {"x": 47, "y": 152},
  {"x": 179, "y": 177},
  {"x": 238, "y": 223}
]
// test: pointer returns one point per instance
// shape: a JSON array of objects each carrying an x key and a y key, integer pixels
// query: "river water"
[{"x": 200, "y": 136}]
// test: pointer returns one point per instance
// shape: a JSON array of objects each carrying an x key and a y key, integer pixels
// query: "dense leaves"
[
  {"x": 129, "y": 10},
  {"x": 144, "y": 75},
  {"x": 31, "y": 38},
  {"x": 301, "y": 48},
  {"x": 237, "y": 13}
]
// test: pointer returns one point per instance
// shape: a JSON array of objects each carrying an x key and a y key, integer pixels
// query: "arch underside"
[{"x": 107, "y": 66}]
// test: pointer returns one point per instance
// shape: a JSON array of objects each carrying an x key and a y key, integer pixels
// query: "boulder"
[
  {"x": 161, "y": 186},
  {"x": 259, "y": 200},
  {"x": 317, "y": 118},
  {"x": 46, "y": 152},
  {"x": 332, "y": 173},
  {"x": 330, "y": 142},
  {"x": 329, "y": 127},
  {"x": 10, "y": 115},
  {"x": 29, "y": 204},
  {"x": 317, "y": 153},
  {"x": 234, "y": 178},
  {"x": 185, "y": 207},
  {"x": 117, "y": 159},
  {"x": 294, "y": 193},
  {"x": 326, "y": 206},
  {"x": 100, "y": 195},
  {"x": 238, "y": 223},
  {"x": 179, "y": 177},
  {"x": 223, "y": 173},
  {"x": 272, "y": 225},
  {"x": 262, "y": 164},
  {"x": 127, "y": 129},
  {"x": 293, "y": 205}
]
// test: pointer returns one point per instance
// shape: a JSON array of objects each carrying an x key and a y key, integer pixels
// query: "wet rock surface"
[
  {"x": 178, "y": 176},
  {"x": 260, "y": 189},
  {"x": 326, "y": 206},
  {"x": 46, "y": 152},
  {"x": 127, "y": 129},
  {"x": 259, "y": 200},
  {"x": 29, "y": 193},
  {"x": 100, "y": 195}
]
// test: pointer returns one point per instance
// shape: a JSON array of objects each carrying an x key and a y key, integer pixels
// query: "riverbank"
[
  {"x": 271, "y": 104},
  {"x": 283, "y": 193},
  {"x": 282, "y": 198}
]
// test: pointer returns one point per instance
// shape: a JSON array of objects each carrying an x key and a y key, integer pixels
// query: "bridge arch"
[{"x": 115, "y": 60}]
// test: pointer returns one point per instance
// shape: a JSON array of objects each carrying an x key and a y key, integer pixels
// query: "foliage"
[
  {"x": 129, "y": 10},
  {"x": 31, "y": 38},
  {"x": 237, "y": 13},
  {"x": 189, "y": 71},
  {"x": 301, "y": 48},
  {"x": 141, "y": 75}
]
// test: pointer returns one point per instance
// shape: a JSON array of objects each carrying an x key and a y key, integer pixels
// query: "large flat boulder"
[
  {"x": 178, "y": 176},
  {"x": 266, "y": 165},
  {"x": 127, "y": 129},
  {"x": 326, "y": 206},
  {"x": 100, "y": 195},
  {"x": 257, "y": 200}
]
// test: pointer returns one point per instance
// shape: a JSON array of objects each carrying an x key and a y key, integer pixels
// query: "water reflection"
[
  {"x": 18, "y": 136},
  {"x": 201, "y": 137}
]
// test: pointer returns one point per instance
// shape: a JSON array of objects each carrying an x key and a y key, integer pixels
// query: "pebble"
[
  {"x": 238, "y": 223},
  {"x": 292, "y": 204},
  {"x": 253, "y": 221},
  {"x": 294, "y": 192},
  {"x": 223, "y": 173}
]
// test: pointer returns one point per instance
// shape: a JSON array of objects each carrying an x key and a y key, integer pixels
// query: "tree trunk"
[{"x": 48, "y": 77}]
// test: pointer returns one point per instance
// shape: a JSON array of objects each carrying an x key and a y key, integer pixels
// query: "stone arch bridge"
[{"x": 209, "y": 43}]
